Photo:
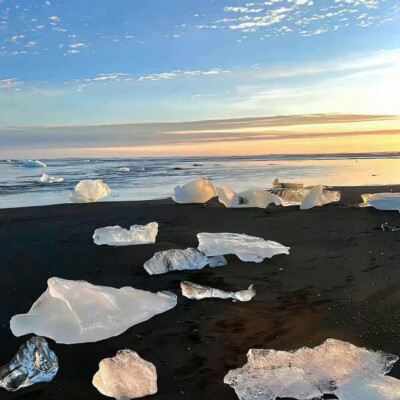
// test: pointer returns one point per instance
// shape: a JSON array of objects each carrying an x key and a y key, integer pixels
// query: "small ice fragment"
[
  {"x": 388, "y": 228},
  {"x": 217, "y": 261},
  {"x": 124, "y": 169},
  {"x": 126, "y": 376},
  {"x": 247, "y": 248},
  {"x": 199, "y": 292},
  {"x": 90, "y": 191},
  {"x": 381, "y": 201},
  {"x": 79, "y": 312},
  {"x": 334, "y": 367},
  {"x": 246, "y": 199},
  {"x": 50, "y": 179},
  {"x": 175, "y": 260},
  {"x": 198, "y": 191},
  {"x": 34, "y": 164},
  {"x": 117, "y": 236},
  {"x": 33, "y": 363}
]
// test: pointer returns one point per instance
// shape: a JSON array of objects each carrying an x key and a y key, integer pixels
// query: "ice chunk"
[
  {"x": 198, "y": 292},
  {"x": 388, "y": 228},
  {"x": 335, "y": 367},
  {"x": 124, "y": 169},
  {"x": 248, "y": 198},
  {"x": 218, "y": 261},
  {"x": 247, "y": 248},
  {"x": 296, "y": 196},
  {"x": 78, "y": 312},
  {"x": 33, "y": 363},
  {"x": 34, "y": 164},
  {"x": 117, "y": 236},
  {"x": 198, "y": 191},
  {"x": 175, "y": 260},
  {"x": 126, "y": 376},
  {"x": 288, "y": 185},
  {"x": 381, "y": 201},
  {"x": 90, "y": 191},
  {"x": 313, "y": 198},
  {"x": 50, "y": 179}
]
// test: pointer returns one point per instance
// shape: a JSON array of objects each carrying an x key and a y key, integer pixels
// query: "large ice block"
[
  {"x": 246, "y": 199},
  {"x": 175, "y": 260},
  {"x": 90, "y": 191},
  {"x": 50, "y": 179},
  {"x": 199, "y": 190},
  {"x": 34, "y": 164},
  {"x": 78, "y": 312},
  {"x": 117, "y": 236},
  {"x": 34, "y": 363},
  {"x": 381, "y": 201},
  {"x": 335, "y": 367},
  {"x": 126, "y": 376},
  {"x": 247, "y": 248}
]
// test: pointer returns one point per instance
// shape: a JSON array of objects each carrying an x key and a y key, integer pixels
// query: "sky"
[{"x": 110, "y": 77}]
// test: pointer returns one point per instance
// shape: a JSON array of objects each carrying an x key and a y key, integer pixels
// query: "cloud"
[{"x": 178, "y": 73}]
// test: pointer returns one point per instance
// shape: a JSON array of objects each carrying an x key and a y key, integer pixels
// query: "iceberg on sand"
[
  {"x": 199, "y": 292},
  {"x": 34, "y": 164},
  {"x": 117, "y": 236},
  {"x": 175, "y": 260},
  {"x": 335, "y": 367},
  {"x": 34, "y": 363},
  {"x": 247, "y": 248},
  {"x": 90, "y": 191},
  {"x": 248, "y": 198},
  {"x": 78, "y": 312},
  {"x": 126, "y": 376},
  {"x": 198, "y": 191},
  {"x": 49, "y": 179},
  {"x": 381, "y": 201}
]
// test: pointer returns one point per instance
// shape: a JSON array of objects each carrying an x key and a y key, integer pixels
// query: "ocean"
[{"x": 155, "y": 178}]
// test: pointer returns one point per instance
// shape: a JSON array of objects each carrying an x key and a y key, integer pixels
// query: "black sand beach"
[{"x": 341, "y": 280}]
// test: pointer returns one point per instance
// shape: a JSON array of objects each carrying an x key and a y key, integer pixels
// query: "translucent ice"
[
  {"x": 33, "y": 363},
  {"x": 198, "y": 191},
  {"x": 117, "y": 236},
  {"x": 217, "y": 261},
  {"x": 126, "y": 376},
  {"x": 175, "y": 260},
  {"x": 292, "y": 196},
  {"x": 50, "y": 179},
  {"x": 288, "y": 185},
  {"x": 247, "y": 248},
  {"x": 78, "y": 312},
  {"x": 248, "y": 198},
  {"x": 381, "y": 201},
  {"x": 34, "y": 164},
  {"x": 335, "y": 367},
  {"x": 198, "y": 292},
  {"x": 124, "y": 169},
  {"x": 89, "y": 191}
]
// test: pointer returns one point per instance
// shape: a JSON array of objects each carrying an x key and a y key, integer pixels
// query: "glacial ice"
[
  {"x": 291, "y": 196},
  {"x": 117, "y": 236},
  {"x": 126, "y": 376},
  {"x": 247, "y": 248},
  {"x": 199, "y": 190},
  {"x": 248, "y": 198},
  {"x": 50, "y": 179},
  {"x": 90, "y": 191},
  {"x": 33, "y": 363},
  {"x": 217, "y": 261},
  {"x": 199, "y": 292},
  {"x": 334, "y": 367},
  {"x": 124, "y": 169},
  {"x": 381, "y": 201},
  {"x": 78, "y": 312},
  {"x": 175, "y": 260},
  {"x": 288, "y": 185},
  {"x": 34, "y": 164}
]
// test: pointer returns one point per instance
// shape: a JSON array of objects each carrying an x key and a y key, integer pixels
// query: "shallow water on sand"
[{"x": 156, "y": 178}]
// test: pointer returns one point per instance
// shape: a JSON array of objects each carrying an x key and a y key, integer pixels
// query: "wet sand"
[{"x": 341, "y": 280}]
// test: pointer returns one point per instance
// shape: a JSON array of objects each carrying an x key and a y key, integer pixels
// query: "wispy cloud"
[{"x": 179, "y": 73}]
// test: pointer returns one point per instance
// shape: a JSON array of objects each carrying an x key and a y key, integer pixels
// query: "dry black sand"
[{"x": 341, "y": 280}]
